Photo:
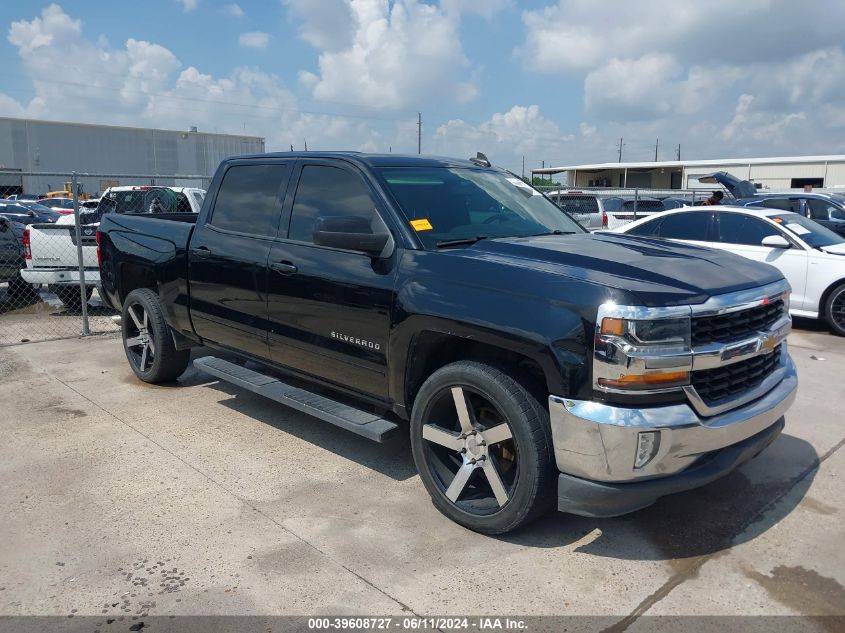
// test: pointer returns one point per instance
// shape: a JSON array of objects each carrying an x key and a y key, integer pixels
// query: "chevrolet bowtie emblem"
[{"x": 769, "y": 343}]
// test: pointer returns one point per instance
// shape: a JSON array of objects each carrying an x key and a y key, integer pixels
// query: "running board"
[{"x": 366, "y": 424}]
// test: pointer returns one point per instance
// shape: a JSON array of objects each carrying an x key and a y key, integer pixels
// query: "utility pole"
[
  {"x": 621, "y": 144},
  {"x": 419, "y": 132},
  {"x": 523, "y": 167},
  {"x": 679, "y": 151},
  {"x": 656, "y": 145},
  {"x": 306, "y": 144}
]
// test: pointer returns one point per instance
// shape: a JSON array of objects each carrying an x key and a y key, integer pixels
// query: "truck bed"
[{"x": 153, "y": 245}]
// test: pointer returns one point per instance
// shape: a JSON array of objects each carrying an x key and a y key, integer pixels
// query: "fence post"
[
  {"x": 78, "y": 231},
  {"x": 636, "y": 201}
]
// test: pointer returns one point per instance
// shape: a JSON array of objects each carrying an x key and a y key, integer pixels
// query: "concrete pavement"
[{"x": 123, "y": 498}]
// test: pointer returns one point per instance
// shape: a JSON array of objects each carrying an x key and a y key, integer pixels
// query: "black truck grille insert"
[
  {"x": 735, "y": 325},
  {"x": 713, "y": 385}
]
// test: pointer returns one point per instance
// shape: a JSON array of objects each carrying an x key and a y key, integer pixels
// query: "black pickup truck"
[{"x": 536, "y": 364}]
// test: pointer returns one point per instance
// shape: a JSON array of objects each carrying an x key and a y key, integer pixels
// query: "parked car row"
[
  {"x": 46, "y": 239},
  {"x": 596, "y": 212}
]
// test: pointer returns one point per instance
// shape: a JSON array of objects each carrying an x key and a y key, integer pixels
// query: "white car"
[
  {"x": 50, "y": 249},
  {"x": 810, "y": 256}
]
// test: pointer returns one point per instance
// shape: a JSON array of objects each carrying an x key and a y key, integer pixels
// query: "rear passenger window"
[
  {"x": 248, "y": 200},
  {"x": 579, "y": 206},
  {"x": 736, "y": 228},
  {"x": 684, "y": 226},
  {"x": 330, "y": 191},
  {"x": 785, "y": 204},
  {"x": 647, "y": 229}
]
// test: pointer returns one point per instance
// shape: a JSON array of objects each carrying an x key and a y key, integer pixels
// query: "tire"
[
  {"x": 515, "y": 442},
  {"x": 69, "y": 295},
  {"x": 834, "y": 310},
  {"x": 147, "y": 340},
  {"x": 20, "y": 290}
]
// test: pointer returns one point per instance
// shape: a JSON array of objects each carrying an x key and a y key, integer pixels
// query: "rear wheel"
[
  {"x": 20, "y": 290},
  {"x": 69, "y": 295},
  {"x": 147, "y": 341},
  {"x": 482, "y": 445},
  {"x": 835, "y": 310}
]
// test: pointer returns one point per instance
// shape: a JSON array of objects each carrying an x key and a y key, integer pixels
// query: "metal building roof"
[{"x": 775, "y": 160}]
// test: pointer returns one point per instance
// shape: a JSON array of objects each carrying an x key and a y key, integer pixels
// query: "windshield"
[
  {"x": 809, "y": 231},
  {"x": 449, "y": 203}
]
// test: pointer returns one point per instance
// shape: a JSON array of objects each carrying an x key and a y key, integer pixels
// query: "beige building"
[{"x": 788, "y": 172}]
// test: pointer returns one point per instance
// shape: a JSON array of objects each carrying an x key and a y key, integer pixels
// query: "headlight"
[
  {"x": 671, "y": 332},
  {"x": 642, "y": 354}
]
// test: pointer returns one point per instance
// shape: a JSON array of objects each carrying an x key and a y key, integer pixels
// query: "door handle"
[
  {"x": 201, "y": 251},
  {"x": 284, "y": 268}
]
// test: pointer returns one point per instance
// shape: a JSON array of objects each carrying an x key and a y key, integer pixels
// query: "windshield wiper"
[
  {"x": 461, "y": 242},
  {"x": 555, "y": 232}
]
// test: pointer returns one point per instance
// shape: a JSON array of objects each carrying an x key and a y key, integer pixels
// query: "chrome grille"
[
  {"x": 735, "y": 325},
  {"x": 713, "y": 385}
]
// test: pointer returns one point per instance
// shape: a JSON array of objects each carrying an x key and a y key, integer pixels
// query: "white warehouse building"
[
  {"x": 786, "y": 172},
  {"x": 108, "y": 151}
]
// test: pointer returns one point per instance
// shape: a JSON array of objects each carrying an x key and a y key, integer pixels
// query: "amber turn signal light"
[
  {"x": 644, "y": 381},
  {"x": 612, "y": 326}
]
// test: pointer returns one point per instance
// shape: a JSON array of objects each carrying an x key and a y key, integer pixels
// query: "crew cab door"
[
  {"x": 228, "y": 256},
  {"x": 329, "y": 309}
]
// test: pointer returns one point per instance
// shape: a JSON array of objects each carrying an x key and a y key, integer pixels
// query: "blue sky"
[{"x": 552, "y": 80}]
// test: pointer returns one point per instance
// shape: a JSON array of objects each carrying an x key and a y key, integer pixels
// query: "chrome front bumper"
[{"x": 598, "y": 442}]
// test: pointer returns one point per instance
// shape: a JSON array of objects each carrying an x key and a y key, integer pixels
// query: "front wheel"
[
  {"x": 147, "y": 341},
  {"x": 835, "y": 310},
  {"x": 482, "y": 445}
]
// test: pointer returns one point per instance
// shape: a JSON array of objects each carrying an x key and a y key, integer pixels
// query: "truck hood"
[
  {"x": 656, "y": 272},
  {"x": 738, "y": 188}
]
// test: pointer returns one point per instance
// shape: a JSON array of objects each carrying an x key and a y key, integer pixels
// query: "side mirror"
[
  {"x": 349, "y": 232},
  {"x": 776, "y": 241}
]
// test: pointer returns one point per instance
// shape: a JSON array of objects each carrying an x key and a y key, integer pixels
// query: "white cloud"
[
  {"x": 385, "y": 55},
  {"x": 505, "y": 137},
  {"x": 485, "y": 8},
  {"x": 254, "y": 39},
  {"x": 188, "y": 5},
  {"x": 325, "y": 25},
  {"x": 144, "y": 84},
  {"x": 234, "y": 10},
  {"x": 724, "y": 78}
]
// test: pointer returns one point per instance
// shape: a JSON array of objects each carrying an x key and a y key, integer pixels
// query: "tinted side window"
[
  {"x": 786, "y": 204},
  {"x": 824, "y": 210},
  {"x": 579, "y": 205},
  {"x": 735, "y": 228},
  {"x": 646, "y": 229},
  {"x": 685, "y": 226},
  {"x": 329, "y": 191},
  {"x": 248, "y": 200}
]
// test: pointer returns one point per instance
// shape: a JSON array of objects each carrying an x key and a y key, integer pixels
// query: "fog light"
[{"x": 647, "y": 445}]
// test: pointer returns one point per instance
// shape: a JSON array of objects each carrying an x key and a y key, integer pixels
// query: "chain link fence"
[
  {"x": 603, "y": 208},
  {"x": 49, "y": 273}
]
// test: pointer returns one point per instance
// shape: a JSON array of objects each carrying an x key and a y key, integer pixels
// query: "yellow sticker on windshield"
[{"x": 421, "y": 225}]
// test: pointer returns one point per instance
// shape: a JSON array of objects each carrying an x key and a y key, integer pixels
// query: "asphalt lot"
[{"x": 120, "y": 498}]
